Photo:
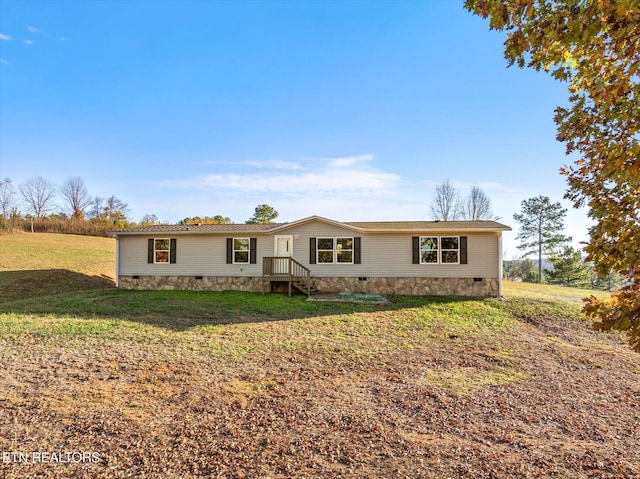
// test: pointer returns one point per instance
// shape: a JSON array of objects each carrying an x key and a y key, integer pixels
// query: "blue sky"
[{"x": 353, "y": 110}]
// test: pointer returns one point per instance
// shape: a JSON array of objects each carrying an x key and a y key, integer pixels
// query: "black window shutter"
[
  {"x": 463, "y": 250},
  {"x": 229, "y": 250},
  {"x": 416, "y": 249},
  {"x": 253, "y": 246},
  {"x": 172, "y": 250},
  {"x": 312, "y": 251},
  {"x": 150, "y": 251},
  {"x": 357, "y": 259}
]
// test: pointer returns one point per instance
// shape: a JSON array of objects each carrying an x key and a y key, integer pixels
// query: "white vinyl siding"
[
  {"x": 390, "y": 254},
  {"x": 198, "y": 255},
  {"x": 382, "y": 254}
]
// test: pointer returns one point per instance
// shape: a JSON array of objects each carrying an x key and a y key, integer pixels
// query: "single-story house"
[{"x": 398, "y": 257}]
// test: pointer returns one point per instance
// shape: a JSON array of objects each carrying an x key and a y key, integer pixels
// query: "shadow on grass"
[
  {"x": 16, "y": 285},
  {"x": 69, "y": 294}
]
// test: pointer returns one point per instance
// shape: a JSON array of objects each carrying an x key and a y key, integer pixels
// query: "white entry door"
[{"x": 283, "y": 248}]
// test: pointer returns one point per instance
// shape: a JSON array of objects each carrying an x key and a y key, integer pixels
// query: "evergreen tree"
[
  {"x": 263, "y": 214},
  {"x": 569, "y": 269},
  {"x": 541, "y": 224}
]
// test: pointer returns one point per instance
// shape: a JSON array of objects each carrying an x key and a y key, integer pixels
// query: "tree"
[
  {"x": 446, "y": 202},
  {"x": 541, "y": 223},
  {"x": 114, "y": 209},
  {"x": 38, "y": 193},
  {"x": 569, "y": 269},
  {"x": 476, "y": 206},
  {"x": 7, "y": 195},
  {"x": 76, "y": 196},
  {"x": 263, "y": 214},
  {"x": 521, "y": 270},
  {"x": 149, "y": 220},
  {"x": 96, "y": 207},
  {"x": 206, "y": 220},
  {"x": 611, "y": 282},
  {"x": 594, "y": 47}
]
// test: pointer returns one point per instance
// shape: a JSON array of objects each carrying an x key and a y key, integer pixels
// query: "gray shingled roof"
[
  {"x": 429, "y": 225},
  {"x": 200, "y": 228},
  {"x": 371, "y": 226}
]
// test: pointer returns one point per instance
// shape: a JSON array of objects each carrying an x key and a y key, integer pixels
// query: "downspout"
[
  {"x": 500, "y": 265},
  {"x": 117, "y": 261}
]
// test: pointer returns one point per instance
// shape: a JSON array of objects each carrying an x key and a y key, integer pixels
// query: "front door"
[{"x": 283, "y": 248}]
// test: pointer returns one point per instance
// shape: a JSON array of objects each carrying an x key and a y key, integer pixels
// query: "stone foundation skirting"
[
  {"x": 480, "y": 287},
  {"x": 196, "y": 283},
  {"x": 409, "y": 286}
]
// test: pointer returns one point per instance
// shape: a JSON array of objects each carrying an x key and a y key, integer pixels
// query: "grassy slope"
[
  {"x": 187, "y": 383},
  {"x": 32, "y": 265}
]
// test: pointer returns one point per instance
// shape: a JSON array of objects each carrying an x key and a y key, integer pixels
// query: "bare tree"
[
  {"x": 38, "y": 193},
  {"x": 95, "y": 207},
  {"x": 7, "y": 195},
  {"x": 446, "y": 203},
  {"x": 149, "y": 220},
  {"x": 76, "y": 196},
  {"x": 477, "y": 206},
  {"x": 115, "y": 209}
]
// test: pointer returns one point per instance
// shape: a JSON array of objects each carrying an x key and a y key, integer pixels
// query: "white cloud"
[
  {"x": 330, "y": 178},
  {"x": 331, "y": 182},
  {"x": 4, "y": 37},
  {"x": 275, "y": 164},
  {"x": 32, "y": 29},
  {"x": 28, "y": 42},
  {"x": 343, "y": 162}
]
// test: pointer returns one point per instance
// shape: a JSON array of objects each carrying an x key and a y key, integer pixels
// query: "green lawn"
[{"x": 233, "y": 384}]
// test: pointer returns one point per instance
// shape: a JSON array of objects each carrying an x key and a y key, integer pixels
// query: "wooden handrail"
[{"x": 287, "y": 268}]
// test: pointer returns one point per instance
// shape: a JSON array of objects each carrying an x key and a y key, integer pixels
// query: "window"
[
  {"x": 428, "y": 250},
  {"x": 335, "y": 250},
  {"x": 449, "y": 250},
  {"x": 344, "y": 250},
  {"x": 325, "y": 250},
  {"x": 161, "y": 250},
  {"x": 439, "y": 250},
  {"x": 240, "y": 250}
]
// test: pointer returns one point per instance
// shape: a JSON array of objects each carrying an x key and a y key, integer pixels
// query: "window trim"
[
  {"x": 334, "y": 250},
  {"x": 439, "y": 250},
  {"x": 248, "y": 250},
  {"x": 156, "y": 251}
]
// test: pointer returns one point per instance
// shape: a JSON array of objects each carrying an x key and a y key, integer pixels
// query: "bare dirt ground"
[{"x": 550, "y": 399}]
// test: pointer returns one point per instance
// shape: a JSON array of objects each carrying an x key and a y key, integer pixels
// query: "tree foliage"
[
  {"x": 595, "y": 47},
  {"x": 569, "y": 269},
  {"x": 521, "y": 270},
  {"x": 541, "y": 225},
  {"x": 206, "y": 220},
  {"x": 263, "y": 214},
  {"x": 149, "y": 219},
  {"x": 115, "y": 209}
]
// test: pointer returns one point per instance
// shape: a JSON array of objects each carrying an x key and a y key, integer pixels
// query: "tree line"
[
  {"x": 41, "y": 205},
  {"x": 541, "y": 234}
]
